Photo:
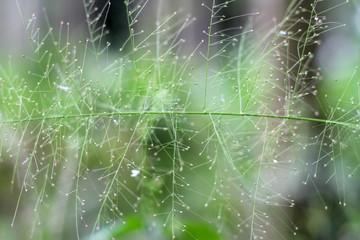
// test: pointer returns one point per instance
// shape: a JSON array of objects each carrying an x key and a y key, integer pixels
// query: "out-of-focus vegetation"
[{"x": 179, "y": 119}]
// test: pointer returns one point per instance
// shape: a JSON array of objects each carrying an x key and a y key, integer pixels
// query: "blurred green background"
[{"x": 146, "y": 143}]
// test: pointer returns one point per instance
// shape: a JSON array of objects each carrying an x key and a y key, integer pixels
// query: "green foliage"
[{"x": 160, "y": 140}]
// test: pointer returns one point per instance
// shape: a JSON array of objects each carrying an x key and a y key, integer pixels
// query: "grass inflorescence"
[{"x": 181, "y": 132}]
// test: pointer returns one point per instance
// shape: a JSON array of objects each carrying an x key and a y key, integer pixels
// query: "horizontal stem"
[{"x": 182, "y": 113}]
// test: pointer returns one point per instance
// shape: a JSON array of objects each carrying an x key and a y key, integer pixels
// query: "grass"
[{"x": 159, "y": 140}]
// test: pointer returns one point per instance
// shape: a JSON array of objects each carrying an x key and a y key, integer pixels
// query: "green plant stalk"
[
  {"x": 257, "y": 185},
  {"x": 208, "y": 54},
  {"x": 174, "y": 125},
  {"x": 239, "y": 62},
  {"x": 109, "y": 114},
  {"x": 77, "y": 197},
  {"x": 131, "y": 35},
  {"x": 308, "y": 31},
  {"x": 158, "y": 65}
]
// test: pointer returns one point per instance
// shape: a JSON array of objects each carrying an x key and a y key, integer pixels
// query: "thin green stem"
[
  {"x": 239, "y": 63},
  {"x": 173, "y": 177},
  {"x": 77, "y": 195},
  {"x": 208, "y": 54},
  {"x": 131, "y": 33},
  {"x": 257, "y": 185},
  {"x": 104, "y": 114},
  {"x": 158, "y": 37},
  {"x": 309, "y": 30}
]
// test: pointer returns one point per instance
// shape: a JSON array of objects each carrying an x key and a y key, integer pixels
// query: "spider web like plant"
[{"x": 167, "y": 138}]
